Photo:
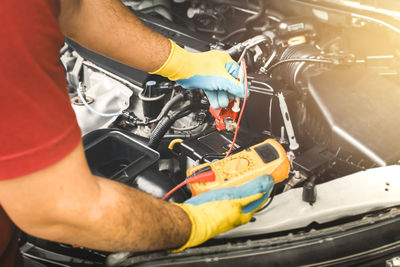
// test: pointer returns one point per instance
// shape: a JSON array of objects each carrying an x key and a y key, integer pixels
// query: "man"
[{"x": 46, "y": 187}]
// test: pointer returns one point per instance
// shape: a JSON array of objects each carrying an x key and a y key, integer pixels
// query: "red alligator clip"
[
  {"x": 224, "y": 113},
  {"x": 231, "y": 112}
]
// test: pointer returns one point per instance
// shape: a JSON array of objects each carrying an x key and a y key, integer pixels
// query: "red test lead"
[{"x": 200, "y": 176}]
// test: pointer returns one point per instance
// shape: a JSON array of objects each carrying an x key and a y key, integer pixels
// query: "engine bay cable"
[
  {"x": 271, "y": 197},
  {"x": 167, "y": 107},
  {"x": 82, "y": 98},
  {"x": 232, "y": 34},
  {"x": 164, "y": 125},
  {"x": 204, "y": 175}
]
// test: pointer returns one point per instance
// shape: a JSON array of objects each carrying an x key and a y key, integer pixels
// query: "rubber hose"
[
  {"x": 232, "y": 34},
  {"x": 250, "y": 21},
  {"x": 166, "y": 123},
  {"x": 167, "y": 107}
]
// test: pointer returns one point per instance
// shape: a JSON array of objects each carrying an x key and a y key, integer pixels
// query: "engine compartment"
[
  {"x": 322, "y": 84},
  {"x": 340, "y": 94}
]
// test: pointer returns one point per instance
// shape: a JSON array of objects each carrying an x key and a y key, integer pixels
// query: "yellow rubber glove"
[
  {"x": 220, "y": 210},
  {"x": 213, "y": 71}
]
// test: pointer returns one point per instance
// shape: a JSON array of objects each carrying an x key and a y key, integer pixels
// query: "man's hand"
[
  {"x": 220, "y": 210},
  {"x": 214, "y": 71}
]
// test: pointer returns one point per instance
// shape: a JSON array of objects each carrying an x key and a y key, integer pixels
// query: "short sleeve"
[{"x": 38, "y": 125}]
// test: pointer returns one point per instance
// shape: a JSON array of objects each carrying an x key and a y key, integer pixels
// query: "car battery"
[{"x": 214, "y": 145}]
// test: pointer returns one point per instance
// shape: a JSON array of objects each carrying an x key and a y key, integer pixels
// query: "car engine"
[{"x": 323, "y": 82}]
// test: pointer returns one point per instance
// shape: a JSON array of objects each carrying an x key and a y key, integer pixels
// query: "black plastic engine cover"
[
  {"x": 124, "y": 157},
  {"x": 361, "y": 111}
]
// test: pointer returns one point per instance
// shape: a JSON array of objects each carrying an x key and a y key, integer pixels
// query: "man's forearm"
[
  {"x": 66, "y": 203},
  {"x": 109, "y": 28},
  {"x": 123, "y": 219}
]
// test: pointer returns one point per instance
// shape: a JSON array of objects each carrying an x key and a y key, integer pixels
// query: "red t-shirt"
[{"x": 38, "y": 126}]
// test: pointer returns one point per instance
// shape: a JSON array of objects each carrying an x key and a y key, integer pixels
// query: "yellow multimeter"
[{"x": 268, "y": 157}]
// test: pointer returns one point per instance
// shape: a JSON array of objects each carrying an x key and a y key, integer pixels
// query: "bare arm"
[
  {"x": 66, "y": 203},
  {"x": 109, "y": 28}
]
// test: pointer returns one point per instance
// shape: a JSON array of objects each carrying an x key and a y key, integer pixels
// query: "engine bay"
[
  {"x": 323, "y": 83},
  {"x": 332, "y": 107}
]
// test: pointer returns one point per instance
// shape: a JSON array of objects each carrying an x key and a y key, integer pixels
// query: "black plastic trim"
[{"x": 369, "y": 240}]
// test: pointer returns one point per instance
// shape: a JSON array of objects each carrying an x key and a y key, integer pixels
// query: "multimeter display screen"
[{"x": 267, "y": 152}]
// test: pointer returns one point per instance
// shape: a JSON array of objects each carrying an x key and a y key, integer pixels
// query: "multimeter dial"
[{"x": 236, "y": 165}]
